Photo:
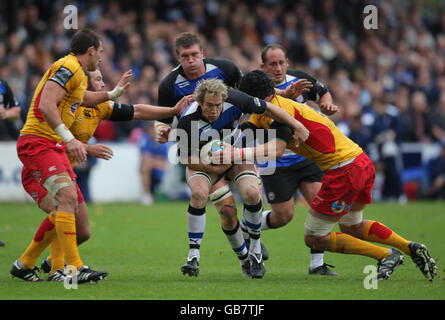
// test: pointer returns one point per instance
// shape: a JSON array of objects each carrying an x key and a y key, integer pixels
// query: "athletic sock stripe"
[
  {"x": 240, "y": 249},
  {"x": 252, "y": 225},
  {"x": 196, "y": 235}
]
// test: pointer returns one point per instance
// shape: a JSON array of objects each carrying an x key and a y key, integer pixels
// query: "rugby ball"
[{"x": 212, "y": 146}]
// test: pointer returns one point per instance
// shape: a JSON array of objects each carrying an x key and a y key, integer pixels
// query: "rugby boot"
[
  {"x": 191, "y": 267},
  {"x": 423, "y": 260},
  {"x": 18, "y": 271},
  {"x": 323, "y": 270},
  {"x": 385, "y": 267}
]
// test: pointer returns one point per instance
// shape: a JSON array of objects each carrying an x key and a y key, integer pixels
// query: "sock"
[
  {"x": 43, "y": 237},
  {"x": 66, "y": 233},
  {"x": 252, "y": 216},
  {"x": 316, "y": 259},
  {"x": 236, "y": 240},
  {"x": 196, "y": 222},
  {"x": 265, "y": 220},
  {"x": 344, "y": 243},
  {"x": 376, "y": 232},
  {"x": 245, "y": 232},
  {"x": 56, "y": 256}
]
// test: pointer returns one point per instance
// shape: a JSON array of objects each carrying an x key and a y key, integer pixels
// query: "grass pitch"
[{"x": 143, "y": 248}]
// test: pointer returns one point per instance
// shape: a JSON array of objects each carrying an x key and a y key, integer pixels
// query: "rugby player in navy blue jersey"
[{"x": 182, "y": 81}]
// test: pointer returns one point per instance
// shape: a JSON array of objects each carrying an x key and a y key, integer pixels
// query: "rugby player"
[
  {"x": 87, "y": 119},
  {"x": 345, "y": 190},
  {"x": 216, "y": 114},
  {"x": 182, "y": 81},
  {"x": 292, "y": 172}
]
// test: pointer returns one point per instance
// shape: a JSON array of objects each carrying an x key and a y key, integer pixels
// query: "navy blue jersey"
[
  {"x": 176, "y": 85},
  {"x": 199, "y": 130}
]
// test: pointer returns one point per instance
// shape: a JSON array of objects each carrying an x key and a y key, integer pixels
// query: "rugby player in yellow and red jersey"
[
  {"x": 346, "y": 186},
  {"x": 41, "y": 148},
  {"x": 87, "y": 119}
]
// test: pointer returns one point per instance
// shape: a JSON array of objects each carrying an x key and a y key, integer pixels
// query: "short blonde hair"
[{"x": 210, "y": 86}]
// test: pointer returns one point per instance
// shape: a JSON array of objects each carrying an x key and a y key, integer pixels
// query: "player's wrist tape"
[
  {"x": 116, "y": 92},
  {"x": 245, "y": 154},
  {"x": 64, "y": 133}
]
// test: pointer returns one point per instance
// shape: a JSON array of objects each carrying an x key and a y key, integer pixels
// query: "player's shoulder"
[
  {"x": 170, "y": 78},
  {"x": 222, "y": 63},
  {"x": 299, "y": 74}
]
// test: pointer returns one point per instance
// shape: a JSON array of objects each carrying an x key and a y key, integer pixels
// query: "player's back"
[{"x": 68, "y": 73}]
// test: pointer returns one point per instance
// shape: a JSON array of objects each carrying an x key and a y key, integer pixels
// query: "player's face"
[
  {"x": 211, "y": 106},
  {"x": 191, "y": 60},
  {"x": 96, "y": 80},
  {"x": 276, "y": 65},
  {"x": 95, "y": 57}
]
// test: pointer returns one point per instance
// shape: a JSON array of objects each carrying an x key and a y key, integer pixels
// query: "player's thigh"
[{"x": 199, "y": 183}]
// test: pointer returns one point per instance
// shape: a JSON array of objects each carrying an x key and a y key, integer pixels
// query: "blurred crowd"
[{"x": 389, "y": 82}]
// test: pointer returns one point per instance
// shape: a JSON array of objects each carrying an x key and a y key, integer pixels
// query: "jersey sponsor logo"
[
  {"x": 340, "y": 207},
  {"x": 74, "y": 107},
  {"x": 183, "y": 84},
  {"x": 87, "y": 113}
]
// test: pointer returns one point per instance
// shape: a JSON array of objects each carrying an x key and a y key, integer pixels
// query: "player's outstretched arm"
[
  {"x": 327, "y": 105},
  {"x": 92, "y": 98},
  {"x": 51, "y": 96},
  {"x": 149, "y": 112},
  {"x": 280, "y": 115}
]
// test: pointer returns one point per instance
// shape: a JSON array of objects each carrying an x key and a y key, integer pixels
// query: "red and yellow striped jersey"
[
  {"x": 68, "y": 73},
  {"x": 326, "y": 145}
]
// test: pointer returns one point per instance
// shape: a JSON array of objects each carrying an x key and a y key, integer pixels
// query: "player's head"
[
  {"x": 258, "y": 84},
  {"x": 87, "y": 43},
  {"x": 274, "y": 62},
  {"x": 190, "y": 53},
  {"x": 210, "y": 95},
  {"x": 95, "y": 81}
]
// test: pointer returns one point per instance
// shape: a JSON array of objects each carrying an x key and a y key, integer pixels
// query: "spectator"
[
  {"x": 153, "y": 164},
  {"x": 9, "y": 112}
]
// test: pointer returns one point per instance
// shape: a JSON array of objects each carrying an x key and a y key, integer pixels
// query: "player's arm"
[
  {"x": 92, "y": 98},
  {"x": 165, "y": 98},
  {"x": 52, "y": 95},
  {"x": 249, "y": 104},
  {"x": 149, "y": 112}
]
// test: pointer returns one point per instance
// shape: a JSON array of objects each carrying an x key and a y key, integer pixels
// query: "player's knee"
[
  {"x": 83, "y": 235},
  {"x": 67, "y": 196},
  {"x": 283, "y": 217},
  {"x": 199, "y": 196},
  {"x": 316, "y": 230},
  {"x": 351, "y": 223}
]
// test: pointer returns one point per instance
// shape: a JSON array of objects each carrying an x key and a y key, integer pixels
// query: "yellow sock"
[
  {"x": 376, "y": 232},
  {"x": 66, "y": 233},
  {"x": 43, "y": 237},
  {"x": 344, "y": 243},
  {"x": 56, "y": 256}
]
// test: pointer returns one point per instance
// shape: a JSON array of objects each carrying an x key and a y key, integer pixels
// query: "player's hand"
[
  {"x": 100, "y": 151},
  {"x": 3, "y": 113},
  {"x": 297, "y": 88},
  {"x": 77, "y": 150},
  {"x": 121, "y": 85},
  {"x": 328, "y": 108},
  {"x": 162, "y": 135},
  {"x": 300, "y": 133},
  {"x": 227, "y": 155},
  {"x": 183, "y": 104}
]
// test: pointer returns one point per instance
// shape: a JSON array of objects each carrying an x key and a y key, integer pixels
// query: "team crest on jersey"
[
  {"x": 74, "y": 107},
  {"x": 271, "y": 196},
  {"x": 340, "y": 206},
  {"x": 36, "y": 176},
  {"x": 300, "y": 99}
]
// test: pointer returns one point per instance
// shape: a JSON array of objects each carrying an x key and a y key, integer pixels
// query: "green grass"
[{"x": 144, "y": 248}]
